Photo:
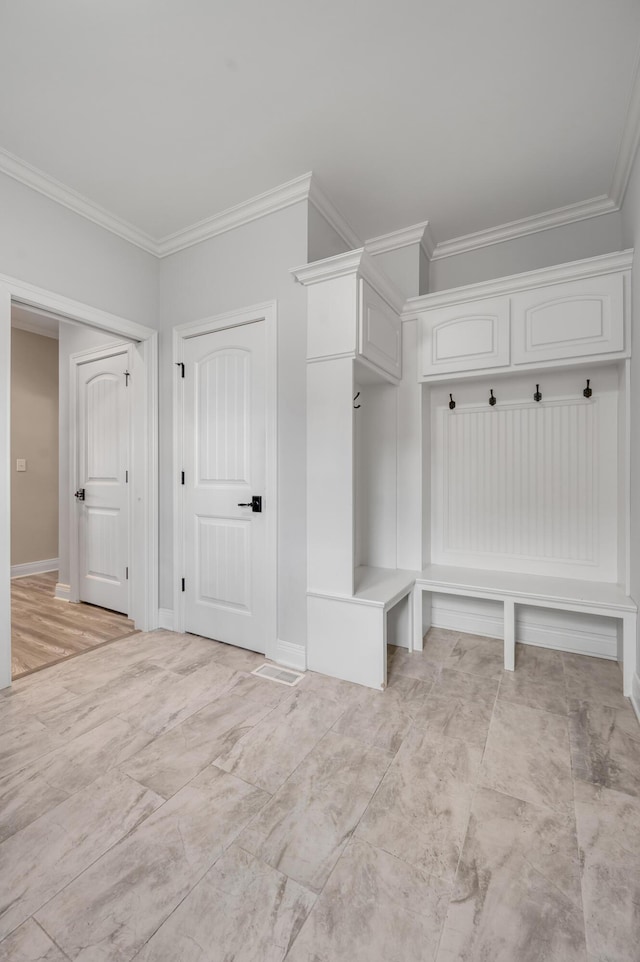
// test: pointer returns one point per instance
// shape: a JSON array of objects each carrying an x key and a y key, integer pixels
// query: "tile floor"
[{"x": 158, "y": 802}]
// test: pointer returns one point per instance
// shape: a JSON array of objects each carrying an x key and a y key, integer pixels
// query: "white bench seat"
[{"x": 512, "y": 588}]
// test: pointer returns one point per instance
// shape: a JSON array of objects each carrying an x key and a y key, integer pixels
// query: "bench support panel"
[{"x": 509, "y": 635}]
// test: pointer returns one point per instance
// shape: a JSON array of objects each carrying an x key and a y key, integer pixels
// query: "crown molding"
[
  {"x": 327, "y": 209},
  {"x": 559, "y": 217},
  {"x": 628, "y": 142},
  {"x": 576, "y": 270},
  {"x": 397, "y": 239},
  {"x": 360, "y": 263},
  {"x": 278, "y": 198},
  {"x": 30, "y": 176}
]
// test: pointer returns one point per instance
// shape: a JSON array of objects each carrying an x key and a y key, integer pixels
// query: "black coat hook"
[
  {"x": 356, "y": 406},
  {"x": 587, "y": 391},
  {"x": 452, "y": 403},
  {"x": 492, "y": 399},
  {"x": 537, "y": 396}
]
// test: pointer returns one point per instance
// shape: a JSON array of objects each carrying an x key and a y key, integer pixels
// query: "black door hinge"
[
  {"x": 126, "y": 477},
  {"x": 180, "y": 364},
  {"x": 126, "y": 378},
  {"x": 182, "y": 477},
  {"x": 126, "y": 573},
  {"x": 183, "y": 584}
]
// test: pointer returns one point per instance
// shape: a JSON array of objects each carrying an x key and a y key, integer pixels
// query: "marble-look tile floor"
[{"x": 159, "y": 803}]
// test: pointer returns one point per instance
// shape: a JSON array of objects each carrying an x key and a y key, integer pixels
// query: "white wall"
[
  {"x": 323, "y": 240},
  {"x": 631, "y": 238},
  {"x": 586, "y": 238},
  {"x": 48, "y": 245},
  {"x": 237, "y": 269}
]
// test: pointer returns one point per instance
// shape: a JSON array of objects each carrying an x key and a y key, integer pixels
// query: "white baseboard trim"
[
  {"x": 635, "y": 695},
  {"x": 559, "y": 638},
  {"x": 165, "y": 619},
  {"x": 290, "y": 655},
  {"x": 34, "y": 568},
  {"x": 63, "y": 592}
]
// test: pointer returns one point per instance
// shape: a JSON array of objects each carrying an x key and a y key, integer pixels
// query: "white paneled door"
[
  {"x": 224, "y": 430},
  {"x": 103, "y": 429}
]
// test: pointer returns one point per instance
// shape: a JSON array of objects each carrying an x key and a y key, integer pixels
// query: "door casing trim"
[
  {"x": 266, "y": 312},
  {"x": 144, "y": 558}
]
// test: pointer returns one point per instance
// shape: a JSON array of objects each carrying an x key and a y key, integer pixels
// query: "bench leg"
[
  {"x": 629, "y": 625},
  {"x": 509, "y": 635},
  {"x": 417, "y": 596}
]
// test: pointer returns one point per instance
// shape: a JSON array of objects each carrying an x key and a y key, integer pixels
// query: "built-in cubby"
[{"x": 468, "y": 462}]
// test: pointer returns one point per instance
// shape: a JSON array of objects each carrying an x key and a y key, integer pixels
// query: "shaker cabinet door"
[
  {"x": 569, "y": 320},
  {"x": 465, "y": 337}
]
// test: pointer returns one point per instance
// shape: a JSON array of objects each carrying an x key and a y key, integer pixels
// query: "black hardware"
[
  {"x": 356, "y": 406},
  {"x": 183, "y": 584},
  {"x": 537, "y": 396},
  {"x": 126, "y": 574},
  {"x": 126, "y": 477},
  {"x": 79, "y": 495},
  {"x": 452, "y": 403},
  {"x": 587, "y": 391},
  {"x": 180, "y": 364},
  {"x": 492, "y": 399},
  {"x": 126, "y": 378},
  {"x": 255, "y": 504},
  {"x": 182, "y": 477}
]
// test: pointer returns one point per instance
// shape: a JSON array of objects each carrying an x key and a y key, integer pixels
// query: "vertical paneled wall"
[{"x": 528, "y": 486}]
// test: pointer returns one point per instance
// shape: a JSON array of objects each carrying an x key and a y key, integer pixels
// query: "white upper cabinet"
[
  {"x": 380, "y": 333},
  {"x": 552, "y": 317},
  {"x": 569, "y": 320},
  {"x": 465, "y": 337}
]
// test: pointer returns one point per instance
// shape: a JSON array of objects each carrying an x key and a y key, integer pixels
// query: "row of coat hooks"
[{"x": 587, "y": 392}]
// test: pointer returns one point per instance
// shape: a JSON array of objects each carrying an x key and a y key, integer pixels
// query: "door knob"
[
  {"x": 79, "y": 495},
  {"x": 255, "y": 504}
]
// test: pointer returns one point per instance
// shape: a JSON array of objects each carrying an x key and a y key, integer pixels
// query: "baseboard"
[
  {"x": 635, "y": 695},
  {"x": 63, "y": 592},
  {"x": 293, "y": 656},
  {"x": 562, "y": 635},
  {"x": 165, "y": 619},
  {"x": 35, "y": 568}
]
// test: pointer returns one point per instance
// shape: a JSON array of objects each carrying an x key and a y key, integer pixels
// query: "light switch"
[{"x": 21, "y": 464}]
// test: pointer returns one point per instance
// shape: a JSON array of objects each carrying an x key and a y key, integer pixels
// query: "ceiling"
[{"x": 469, "y": 114}]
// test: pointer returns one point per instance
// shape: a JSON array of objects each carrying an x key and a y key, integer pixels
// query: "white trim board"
[
  {"x": 144, "y": 561},
  {"x": 293, "y": 656},
  {"x": 635, "y": 695},
  {"x": 63, "y": 592},
  {"x": 34, "y": 568},
  {"x": 560, "y": 631},
  {"x": 165, "y": 619}
]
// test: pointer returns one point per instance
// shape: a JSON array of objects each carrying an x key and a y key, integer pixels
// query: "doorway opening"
[
  {"x": 71, "y": 431},
  {"x": 78, "y": 505}
]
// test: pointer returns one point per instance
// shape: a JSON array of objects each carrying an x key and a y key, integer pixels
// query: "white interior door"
[
  {"x": 103, "y": 450},
  {"x": 225, "y": 540}
]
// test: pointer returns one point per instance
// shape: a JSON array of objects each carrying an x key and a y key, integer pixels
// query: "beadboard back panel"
[{"x": 527, "y": 486}]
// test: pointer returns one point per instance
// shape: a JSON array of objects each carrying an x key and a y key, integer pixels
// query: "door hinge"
[
  {"x": 180, "y": 364},
  {"x": 126, "y": 571},
  {"x": 126, "y": 378},
  {"x": 126, "y": 477},
  {"x": 183, "y": 584},
  {"x": 182, "y": 477}
]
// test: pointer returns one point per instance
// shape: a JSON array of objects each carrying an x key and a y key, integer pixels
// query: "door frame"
[
  {"x": 266, "y": 312},
  {"x": 75, "y": 362},
  {"x": 144, "y": 559}
]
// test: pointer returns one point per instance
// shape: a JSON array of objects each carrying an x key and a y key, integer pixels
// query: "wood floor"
[{"x": 45, "y": 631}]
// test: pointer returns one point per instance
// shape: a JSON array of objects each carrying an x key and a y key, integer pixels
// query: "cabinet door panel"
[
  {"x": 465, "y": 337},
  {"x": 379, "y": 332},
  {"x": 576, "y": 319}
]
